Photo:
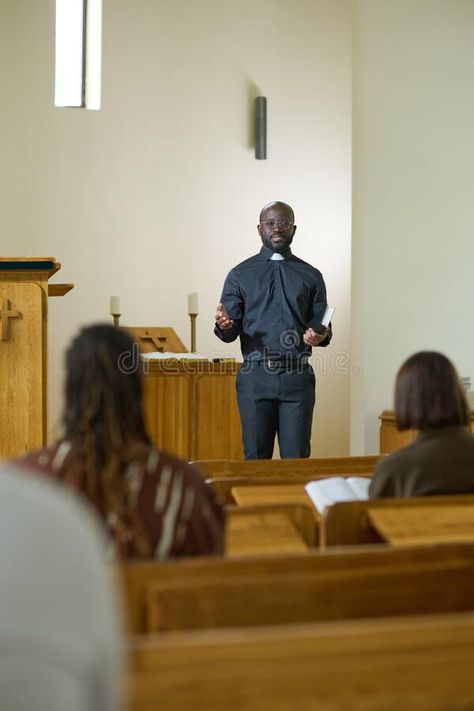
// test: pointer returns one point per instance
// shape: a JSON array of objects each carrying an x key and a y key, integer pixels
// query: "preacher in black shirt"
[{"x": 275, "y": 302}]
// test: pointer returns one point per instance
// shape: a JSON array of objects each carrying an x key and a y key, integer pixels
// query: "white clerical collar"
[{"x": 276, "y": 255}]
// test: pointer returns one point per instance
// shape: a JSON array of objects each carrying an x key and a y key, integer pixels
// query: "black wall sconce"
[{"x": 261, "y": 127}]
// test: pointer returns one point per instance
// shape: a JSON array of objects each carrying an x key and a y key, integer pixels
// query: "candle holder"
[
  {"x": 116, "y": 318},
  {"x": 193, "y": 318}
]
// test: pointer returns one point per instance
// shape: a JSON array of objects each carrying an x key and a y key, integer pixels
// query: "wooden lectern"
[
  {"x": 157, "y": 339},
  {"x": 24, "y": 292},
  {"x": 190, "y": 405}
]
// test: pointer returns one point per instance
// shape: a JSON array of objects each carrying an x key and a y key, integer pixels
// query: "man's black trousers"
[{"x": 276, "y": 399}]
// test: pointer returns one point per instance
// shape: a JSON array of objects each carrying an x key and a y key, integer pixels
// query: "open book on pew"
[{"x": 326, "y": 492}]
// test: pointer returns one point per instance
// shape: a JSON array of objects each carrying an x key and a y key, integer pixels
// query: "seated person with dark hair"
[
  {"x": 429, "y": 398},
  {"x": 154, "y": 505}
]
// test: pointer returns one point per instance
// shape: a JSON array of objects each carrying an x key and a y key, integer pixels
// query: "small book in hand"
[
  {"x": 327, "y": 316},
  {"x": 326, "y": 492}
]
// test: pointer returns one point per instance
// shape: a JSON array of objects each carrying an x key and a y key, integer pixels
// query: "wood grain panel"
[
  {"x": 414, "y": 664},
  {"x": 218, "y": 432},
  {"x": 385, "y": 591},
  {"x": 349, "y": 523},
  {"x": 263, "y": 530},
  {"x": 59, "y": 289},
  {"x": 23, "y": 394},
  {"x": 167, "y": 411},
  {"x": 402, "y": 526},
  {"x": 138, "y": 576},
  {"x": 290, "y": 468},
  {"x": 191, "y": 408}
]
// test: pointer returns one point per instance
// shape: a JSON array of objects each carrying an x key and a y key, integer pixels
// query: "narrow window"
[{"x": 78, "y": 53}]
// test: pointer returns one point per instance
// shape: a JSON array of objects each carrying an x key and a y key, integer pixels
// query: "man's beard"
[{"x": 281, "y": 246}]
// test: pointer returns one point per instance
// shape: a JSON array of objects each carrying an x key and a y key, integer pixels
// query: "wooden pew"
[
  {"x": 291, "y": 469},
  {"x": 416, "y": 525},
  {"x": 224, "y": 474},
  {"x": 139, "y": 577},
  {"x": 281, "y": 528},
  {"x": 390, "y": 590},
  {"x": 365, "y": 665},
  {"x": 223, "y": 486},
  {"x": 272, "y": 495},
  {"x": 350, "y": 523}
]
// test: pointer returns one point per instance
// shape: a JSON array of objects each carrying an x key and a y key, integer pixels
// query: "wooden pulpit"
[
  {"x": 24, "y": 292},
  {"x": 190, "y": 404}
]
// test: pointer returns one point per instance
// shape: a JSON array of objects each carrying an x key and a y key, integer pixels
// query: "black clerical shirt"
[{"x": 272, "y": 303}]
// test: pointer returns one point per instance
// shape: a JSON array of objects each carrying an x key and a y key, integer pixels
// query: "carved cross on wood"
[
  {"x": 158, "y": 341},
  {"x": 6, "y": 313}
]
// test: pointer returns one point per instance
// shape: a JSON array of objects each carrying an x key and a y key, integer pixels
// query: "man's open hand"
[{"x": 222, "y": 318}]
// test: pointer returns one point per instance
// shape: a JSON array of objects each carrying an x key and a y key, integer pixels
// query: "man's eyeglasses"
[{"x": 271, "y": 224}]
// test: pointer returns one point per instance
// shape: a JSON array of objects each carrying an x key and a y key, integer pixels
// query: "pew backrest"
[
  {"x": 288, "y": 468},
  {"x": 223, "y": 486},
  {"x": 383, "y": 591},
  {"x": 349, "y": 523},
  {"x": 410, "y": 664},
  {"x": 139, "y": 576},
  {"x": 273, "y": 528}
]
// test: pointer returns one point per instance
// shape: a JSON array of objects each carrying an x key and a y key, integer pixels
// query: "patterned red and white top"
[{"x": 177, "y": 511}]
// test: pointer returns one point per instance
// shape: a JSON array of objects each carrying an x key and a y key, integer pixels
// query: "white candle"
[
  {"x": 115, "y": 306},
  {"x": 193, "y": 307}
]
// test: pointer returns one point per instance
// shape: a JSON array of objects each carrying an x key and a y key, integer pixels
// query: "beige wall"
[
  {"x": 158, "y": 194},
  {"x": 413, "y": 210}
]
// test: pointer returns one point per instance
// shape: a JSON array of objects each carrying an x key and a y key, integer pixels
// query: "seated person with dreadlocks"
[{"x": 153, "y": 504}]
